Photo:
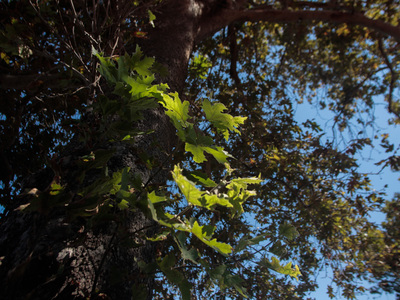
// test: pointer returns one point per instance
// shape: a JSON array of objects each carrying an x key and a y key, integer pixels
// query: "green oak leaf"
[
  {"x": 223, "y": 122},
  {"x": 222, "y": 248}
]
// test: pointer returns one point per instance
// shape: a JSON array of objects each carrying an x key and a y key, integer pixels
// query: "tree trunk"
[
  {"x": 48, "y": 256},
  {"x": 45, "y": 254}
]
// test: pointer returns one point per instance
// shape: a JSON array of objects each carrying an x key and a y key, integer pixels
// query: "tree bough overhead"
[{"x": 150, "y": 150}]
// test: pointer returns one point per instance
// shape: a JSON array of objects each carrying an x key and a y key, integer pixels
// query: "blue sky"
[{"x": 368, "y": 158}]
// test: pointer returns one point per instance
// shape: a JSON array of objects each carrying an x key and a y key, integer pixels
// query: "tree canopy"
[{"x": 183, "y": 113}]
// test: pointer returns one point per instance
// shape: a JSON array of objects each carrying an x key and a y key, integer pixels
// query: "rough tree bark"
[{"x": 48, "y": 256}]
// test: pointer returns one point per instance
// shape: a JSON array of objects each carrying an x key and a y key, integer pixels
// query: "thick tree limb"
[
  {"x": 331, "y": 16},
  {"x": 229, "y": 16}
]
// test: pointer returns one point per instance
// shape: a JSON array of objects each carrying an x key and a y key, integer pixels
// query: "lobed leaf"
[
  {"x": 222, "y": 248},
  {"x": 275, "y": 265},
  {"x": 223, "y": 122}
]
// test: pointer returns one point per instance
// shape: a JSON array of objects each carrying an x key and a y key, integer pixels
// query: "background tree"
[{"x": 111, "y": 185}]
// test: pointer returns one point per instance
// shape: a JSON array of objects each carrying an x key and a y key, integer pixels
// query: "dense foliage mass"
[{"x": 244, "y": 201}]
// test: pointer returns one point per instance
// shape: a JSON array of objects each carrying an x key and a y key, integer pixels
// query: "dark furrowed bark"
[{"x": 48, "y": 256}]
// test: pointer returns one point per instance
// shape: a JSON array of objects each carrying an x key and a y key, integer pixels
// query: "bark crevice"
[{"x": 49, "y": 256}]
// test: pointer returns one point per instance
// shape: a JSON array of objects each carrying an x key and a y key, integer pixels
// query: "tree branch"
[
  {"x": 234, "y": 56},
  {"x": 330, "y": 16},
  {"x": 269, "y": 14},
  {"x": 21, "y": 82}
]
